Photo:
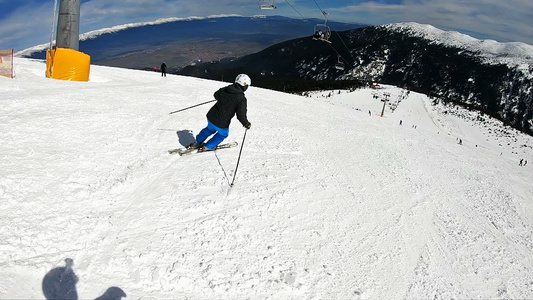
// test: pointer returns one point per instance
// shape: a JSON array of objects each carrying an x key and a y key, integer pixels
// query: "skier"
[
  {"x": 163, "y": 69},
  {"x": 230, "y": 102}
]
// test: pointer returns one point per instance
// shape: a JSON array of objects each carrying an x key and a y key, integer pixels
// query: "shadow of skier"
[
  {"x": 185, "y": 137},
  {"x": 60, "y": 283},
  {"x": 112, "y": 293}
]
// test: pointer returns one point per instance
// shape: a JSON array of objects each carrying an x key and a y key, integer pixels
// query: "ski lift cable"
[
  {"x": 348, "y": 49},
  {"x": 295, "y": 9},
  {"x": 292, "y": 6},
  {"x": 339, "y": 55},
  {"x": 319, "y": 7},
  {"x": 325, "y": 15}
]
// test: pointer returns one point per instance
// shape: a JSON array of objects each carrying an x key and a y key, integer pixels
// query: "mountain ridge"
[{"x": 493, "y": 51}]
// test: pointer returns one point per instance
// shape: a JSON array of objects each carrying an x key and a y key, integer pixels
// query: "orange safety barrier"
[{"x": 67, "y": 64}]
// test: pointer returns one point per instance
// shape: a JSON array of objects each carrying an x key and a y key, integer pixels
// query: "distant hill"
[
  {"x": 495, "y": 78},
  {"x": 181, "y": 42}
]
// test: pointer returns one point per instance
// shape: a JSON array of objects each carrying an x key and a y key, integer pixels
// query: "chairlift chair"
[
  {"x": 266, "y": 4},
  {"x": 322, "y": 32},
  {"x": 339, "y": 65}
]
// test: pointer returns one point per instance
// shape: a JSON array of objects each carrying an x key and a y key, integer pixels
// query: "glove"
[{"x": 248, "y": 126}]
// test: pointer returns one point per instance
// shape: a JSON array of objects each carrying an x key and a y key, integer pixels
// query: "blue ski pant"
[{"x": 221, "y": 134}]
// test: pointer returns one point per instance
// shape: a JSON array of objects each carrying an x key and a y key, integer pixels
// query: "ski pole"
[
  {"x": 192, "y": 106},
  {"x": 239, "y": 159}
]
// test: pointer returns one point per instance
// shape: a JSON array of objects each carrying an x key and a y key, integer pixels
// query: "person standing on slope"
[
  {"x": 164, "y": 69},
  {"x": 230, "y": 102}
]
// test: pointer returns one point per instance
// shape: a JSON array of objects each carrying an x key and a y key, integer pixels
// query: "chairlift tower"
[
  {"x": 385, "y": 100},
  {"x": 68, "y": 24},
  {"x": 66, "y": 62}
]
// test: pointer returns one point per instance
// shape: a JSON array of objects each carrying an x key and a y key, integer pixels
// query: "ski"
[{"x": 188, "y": 151}]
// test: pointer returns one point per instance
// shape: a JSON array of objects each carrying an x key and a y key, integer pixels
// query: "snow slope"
[{"x": 330, "y": 200}]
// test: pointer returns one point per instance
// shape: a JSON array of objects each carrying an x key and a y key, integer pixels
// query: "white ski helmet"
[{"x": 243, "y": 80}]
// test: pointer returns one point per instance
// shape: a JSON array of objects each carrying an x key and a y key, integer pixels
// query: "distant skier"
[
  {"x": 521, "y": 162},
  {"x": 164, "y": 69},
  {"x": 230, "y": 102}
]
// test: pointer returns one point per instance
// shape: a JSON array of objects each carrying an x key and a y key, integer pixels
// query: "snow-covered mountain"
[
  {"x": 331, "y": 201},
  {"x": 513, "y": 53}
]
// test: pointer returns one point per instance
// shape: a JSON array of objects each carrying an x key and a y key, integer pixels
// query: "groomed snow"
[{"x": 330, "y": 200}]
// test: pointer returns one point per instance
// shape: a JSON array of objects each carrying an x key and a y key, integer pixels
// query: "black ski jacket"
[{"x": 230, "y": 101}]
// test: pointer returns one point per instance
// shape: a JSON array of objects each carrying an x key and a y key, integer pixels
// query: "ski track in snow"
[{"x": 328, "y": 203}]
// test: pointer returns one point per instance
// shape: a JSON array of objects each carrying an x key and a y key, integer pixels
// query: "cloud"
[
  {"x": 96, "y": 12},
  {"x": 26, "y": 26}
]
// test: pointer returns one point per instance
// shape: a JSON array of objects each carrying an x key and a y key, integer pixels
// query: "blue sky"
[{"x": 28, "y": 23}]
